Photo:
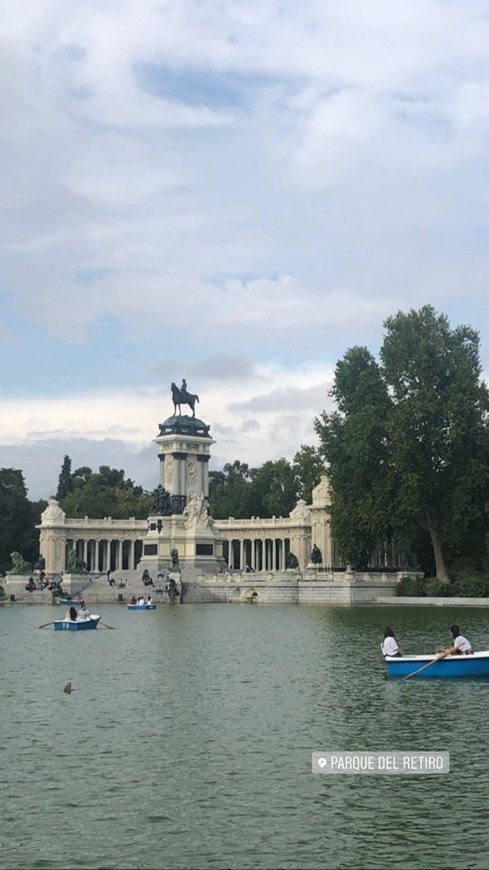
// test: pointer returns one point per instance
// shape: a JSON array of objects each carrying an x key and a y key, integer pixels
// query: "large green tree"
[
  {"x": 308, "y": 468},
  {"x": 274, "y": 489},
  {"x": 408, "y": 446},
  {"x": 353, "y": 440},
  {"x": 230, "y": 494},
  {"x": 438, "y": 428},
  {"x": 18, "y": 518},
  {"x": 65, "y": 480},
  {"x": 270, "y": 490},
  {"x": 106, "y": 493}
]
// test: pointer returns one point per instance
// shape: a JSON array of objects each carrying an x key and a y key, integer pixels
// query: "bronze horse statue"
[{"x": 183, "y": 398}]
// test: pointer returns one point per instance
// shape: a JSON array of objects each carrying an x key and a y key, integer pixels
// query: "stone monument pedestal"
[
  {"x": 198, "y": 543},
  {"x": 180, "y": 520}
]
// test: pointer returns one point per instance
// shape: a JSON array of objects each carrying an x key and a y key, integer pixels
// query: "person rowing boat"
[{"x": 460, "y": 646}]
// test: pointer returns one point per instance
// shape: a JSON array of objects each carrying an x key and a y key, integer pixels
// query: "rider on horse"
[{"x": 183, "y": 397}]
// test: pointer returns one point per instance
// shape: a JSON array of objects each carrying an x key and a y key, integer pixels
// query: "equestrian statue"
[{"x": 182, "y": 397}]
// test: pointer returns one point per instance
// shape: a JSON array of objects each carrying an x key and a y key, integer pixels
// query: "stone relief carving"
[
  {"x": 192, "y": 470},
  {"x": 168, "y": 470},
  {"x": 196, "y": 510}
]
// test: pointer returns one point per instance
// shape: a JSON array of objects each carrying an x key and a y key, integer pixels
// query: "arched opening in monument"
[{"x": 250, "y": 596}]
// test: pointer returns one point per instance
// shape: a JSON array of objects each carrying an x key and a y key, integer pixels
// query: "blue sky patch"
[
  {"x": 87, "y": 277},
  {"x": 199, "y": 87}
]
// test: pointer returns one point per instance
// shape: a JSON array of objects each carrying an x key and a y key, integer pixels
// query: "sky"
[{"x": 234, "y": 193}]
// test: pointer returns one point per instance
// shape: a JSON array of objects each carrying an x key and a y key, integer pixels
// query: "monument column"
[
  {"x": 320, "y": 521},
  {"x": 179, "y": 518},
  {"x": 52, "y": 537}
]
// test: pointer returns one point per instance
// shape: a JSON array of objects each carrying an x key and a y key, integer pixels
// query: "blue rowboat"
[
  {"x": 76, "y": 625},
  {"x": 472, "y": 666},
  {"x": 141, "y": 606},
  {"x": 72, "y": 602}
]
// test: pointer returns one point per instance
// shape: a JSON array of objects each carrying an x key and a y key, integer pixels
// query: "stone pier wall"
[
  {"x": 288, "y": 587},
  {"x": 292, "y": 592}
]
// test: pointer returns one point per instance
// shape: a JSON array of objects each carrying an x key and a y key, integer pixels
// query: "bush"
[
  {"x": 437, "y": 589},
  {"x": 414, "y": 586},
  {"x": 472, "y": 586}
]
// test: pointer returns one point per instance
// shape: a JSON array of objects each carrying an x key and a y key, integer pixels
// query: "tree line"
[{"x": 406, "y": 450}]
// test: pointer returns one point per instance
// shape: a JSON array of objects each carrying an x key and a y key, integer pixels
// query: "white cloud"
[
  {"x": 100, "y": 423},
  {"x": 233, "y": 183}
]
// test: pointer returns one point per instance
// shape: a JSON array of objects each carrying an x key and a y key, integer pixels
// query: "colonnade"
[
  {"x": 259, "y": 554},
  {"x": 101, "y": 555}
]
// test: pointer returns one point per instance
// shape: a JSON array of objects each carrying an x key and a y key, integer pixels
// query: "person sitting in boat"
[
  {"x": 150, "y": 600},
  {"x": 141, "y": 600},
  {"x": 133, "y": 600},
  {"x": 389, "y": 644},
  {"x": 83, "y": 612},
  {"x": 460, "y": 646},
  {"x": 72, "y": 614}
]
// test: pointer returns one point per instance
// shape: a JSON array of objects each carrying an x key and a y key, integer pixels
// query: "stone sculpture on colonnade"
[
  {"x": 196, "y": 510},
  {"x": 19, "y": 564}
]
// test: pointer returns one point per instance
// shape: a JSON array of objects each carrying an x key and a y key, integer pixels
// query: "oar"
[
  {"x": 45, "y": 624},
  {"x": 107, "y": 626},
  {"x": 437, "y": 659}
]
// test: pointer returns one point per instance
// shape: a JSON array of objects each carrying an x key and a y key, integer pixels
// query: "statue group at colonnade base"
[
  {"x": 162, "y": 505},
  {"x": 196, "y": 511},
  {"x": 292, "y": 561},
  {"x": 316, "y": 555},
  {"x": 182, "y": 423},
  {"x": 20, "y": 567},
  {"x": 75, "y": 564}
]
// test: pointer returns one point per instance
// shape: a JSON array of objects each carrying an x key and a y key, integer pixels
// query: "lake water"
[{"x": 187, "y": 741}]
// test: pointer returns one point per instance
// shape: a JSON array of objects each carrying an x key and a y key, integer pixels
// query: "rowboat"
[
  {"x": 471, "y": 666},
  {"x": 76, "y": 624},
  {"x": 141, "y": 606},
  {"x": 71, "y": 602}
]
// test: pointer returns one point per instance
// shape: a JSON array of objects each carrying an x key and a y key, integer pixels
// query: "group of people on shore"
[
  {"x": 38, "y": 585},
  {"x": 460, "y": 644},
  {"x": 121, "y": 584},
  {"x": 171, "y": 589}
]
